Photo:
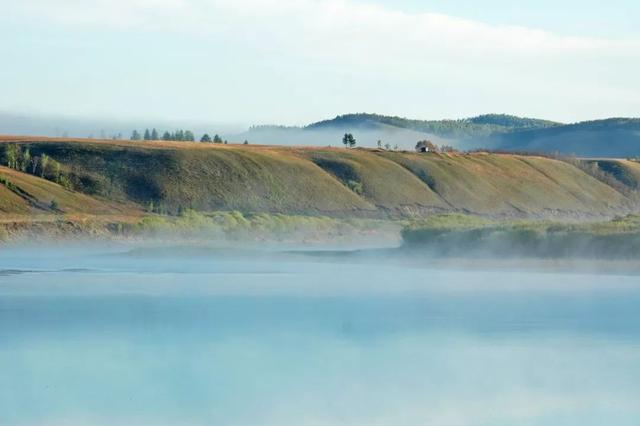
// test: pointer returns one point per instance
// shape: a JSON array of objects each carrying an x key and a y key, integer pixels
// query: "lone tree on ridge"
[{"x": 348, "y": 140}]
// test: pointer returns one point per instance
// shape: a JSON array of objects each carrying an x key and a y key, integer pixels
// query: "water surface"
[{"x": 97, "y": 336}]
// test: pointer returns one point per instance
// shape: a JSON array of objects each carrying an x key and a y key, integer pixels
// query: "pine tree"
[
  {"x": 217, "y": 139},
  {"x": 135, "y": 136},
  {"x": 166, "y": 136},
  {"x": 348, "y": 140},
  {"x": 188, "y": 136},
  {"x": 147, "y": 135},
  {"x": 205, "y": 138},
  {"x": 154, "y": 135}
]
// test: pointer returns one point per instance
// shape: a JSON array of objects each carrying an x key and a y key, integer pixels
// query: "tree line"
[
  {"x": 177, "y": 136},
  {"x": 18, "y": 158}
]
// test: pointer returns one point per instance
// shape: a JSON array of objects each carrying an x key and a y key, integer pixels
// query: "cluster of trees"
[
  {"x": 153, "y": 135},
  {"x": 348, "y": 140},
  {"x": 178, "y": 135},
  {"x": 208, "y": 139},
  {"x": 19, "y": 158}
]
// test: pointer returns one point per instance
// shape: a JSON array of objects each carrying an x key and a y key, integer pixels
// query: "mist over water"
[{"x": 107, "y": 336}]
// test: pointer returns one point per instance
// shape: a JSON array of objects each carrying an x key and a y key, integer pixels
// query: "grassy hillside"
[
  {"x": 21, "y": 193},
  {"x": 380, "y": 181},
  {"x": 510, "y": 185},
  {"x": 167, "y": 177}
]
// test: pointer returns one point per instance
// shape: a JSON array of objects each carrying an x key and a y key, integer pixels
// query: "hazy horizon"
[{"x": 292, "y": 62}]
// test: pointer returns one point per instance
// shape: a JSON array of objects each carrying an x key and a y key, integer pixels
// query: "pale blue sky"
[
  {"x": 617, "y": 18},
  {"x": 296, "y": 61}
]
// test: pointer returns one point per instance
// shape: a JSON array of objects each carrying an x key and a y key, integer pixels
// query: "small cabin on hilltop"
[{"x": 426, "y": 146}]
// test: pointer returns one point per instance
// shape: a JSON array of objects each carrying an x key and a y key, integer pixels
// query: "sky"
[{"x": 297, "y": 61}]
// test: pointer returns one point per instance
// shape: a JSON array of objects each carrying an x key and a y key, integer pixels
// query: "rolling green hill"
[
  {"x": 167, "y": 177},
  {"x": 509, "y": 185},
  {"x": 24, "y": 194}
]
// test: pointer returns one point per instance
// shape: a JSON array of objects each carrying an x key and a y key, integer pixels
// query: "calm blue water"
[{"x": 105, "y": 336}]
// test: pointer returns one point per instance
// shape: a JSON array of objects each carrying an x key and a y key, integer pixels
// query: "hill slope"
[
  {"x": 169, "y": 177},
  {"x": 21, "y": 193},
  {"x": 615, "y": 137},
  {"x": 508, "y": 184}
]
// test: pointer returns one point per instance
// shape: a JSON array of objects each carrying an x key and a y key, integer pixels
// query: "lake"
[{"x": 113, "y": 335}]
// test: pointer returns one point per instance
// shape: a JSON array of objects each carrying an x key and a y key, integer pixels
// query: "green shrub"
[
  {"x": 445, "y": 236},
  {"x": 355, "y": 187}
]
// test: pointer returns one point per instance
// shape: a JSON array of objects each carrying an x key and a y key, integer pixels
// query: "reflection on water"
[{"x": 101, "y": 338}]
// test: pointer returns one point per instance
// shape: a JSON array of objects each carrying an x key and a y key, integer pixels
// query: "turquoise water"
[{"x": 105, "y": 336}]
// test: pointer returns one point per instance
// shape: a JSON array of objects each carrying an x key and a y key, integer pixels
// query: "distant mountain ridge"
[
  {"x": 482, "y": 125},
  {"x": 611, "y": 137}
]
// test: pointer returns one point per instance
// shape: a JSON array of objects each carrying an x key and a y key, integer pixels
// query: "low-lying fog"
[{"x": 115, "y": 335}]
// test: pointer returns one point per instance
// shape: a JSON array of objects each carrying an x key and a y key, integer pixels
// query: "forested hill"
[
  {"x": 614, "y": 137},
  {"x": 480, "y": 126},
  {"x": 611, "y": 138}
]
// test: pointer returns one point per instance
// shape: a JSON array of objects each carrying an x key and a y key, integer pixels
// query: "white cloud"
[
  {"x": 312, "y": 23},
  {"x": 344, "y": 45},
  {"x": 330, "y": 32}
]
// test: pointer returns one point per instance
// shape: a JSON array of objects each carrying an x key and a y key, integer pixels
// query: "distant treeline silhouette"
[{"x": 178, "y": 135}]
